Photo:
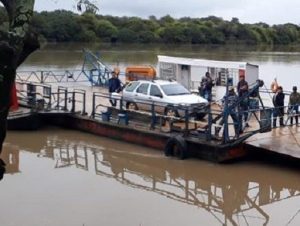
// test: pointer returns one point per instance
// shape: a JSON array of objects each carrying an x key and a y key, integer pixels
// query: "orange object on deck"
[
  {"x": 14, "y": 104},
  {"x": 133, "y": 73}
]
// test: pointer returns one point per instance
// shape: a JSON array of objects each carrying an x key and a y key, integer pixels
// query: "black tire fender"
[{"x": 176, "y": 146}]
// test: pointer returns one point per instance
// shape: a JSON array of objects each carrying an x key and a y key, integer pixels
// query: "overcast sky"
[{"x": 248, "y": 11}]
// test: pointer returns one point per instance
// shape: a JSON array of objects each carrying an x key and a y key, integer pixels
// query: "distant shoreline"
[{"x": 67, "y": 26}]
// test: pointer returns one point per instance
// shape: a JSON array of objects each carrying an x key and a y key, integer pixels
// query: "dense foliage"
[{"x": 65, "y": 26}]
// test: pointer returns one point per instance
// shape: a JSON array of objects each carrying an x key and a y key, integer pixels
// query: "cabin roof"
[{"x": 204, "y": 63}]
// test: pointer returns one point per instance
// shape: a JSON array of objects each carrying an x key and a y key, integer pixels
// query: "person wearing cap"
[
  {"x": 278, "y": 102},
  {"x": 242, "y": 89},
  {"x": 114, "y": 86},
  {"x": 294, "y": 102}
]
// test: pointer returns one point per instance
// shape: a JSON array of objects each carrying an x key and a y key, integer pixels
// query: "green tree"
[
  {"x": 105, "y": 29},
  {"x": 147, "y": 37},
  {"x": 128, "y": 36},
  {"x": 16, "y": 44}
]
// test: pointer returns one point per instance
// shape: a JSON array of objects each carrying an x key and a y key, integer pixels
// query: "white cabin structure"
[{"x": 189, "y": 72}]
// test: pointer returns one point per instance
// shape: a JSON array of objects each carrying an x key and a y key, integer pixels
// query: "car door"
[
  {"x": 142, "y": 97},
  {"x": 156, "y": 96}
]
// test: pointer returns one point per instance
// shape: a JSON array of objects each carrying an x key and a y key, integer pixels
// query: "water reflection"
[{"x": 232, "y": 194}]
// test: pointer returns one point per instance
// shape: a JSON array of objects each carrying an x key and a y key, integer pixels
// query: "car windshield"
[{"x": 174, "y": 89}]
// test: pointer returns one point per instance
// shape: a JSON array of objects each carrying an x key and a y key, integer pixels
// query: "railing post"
[
  {"x": 208, "y": 135},
  {"x": 93, "y": 105},
  {"x": 58, "y": 94},
  {"x": 50, "y": 97},
  {"x": 42, "y": 76},
  {"x": 153, "y": 116},
  {"x": 186, "y": 119},
  {"x": 83, "y": 103},
  {"x": 66, "y": 99},
  {"x": 73, "y": 102}
]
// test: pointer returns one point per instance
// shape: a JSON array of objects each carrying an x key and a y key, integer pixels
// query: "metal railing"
[
  {"x": 154, "y": 115},
  {"x": 41, "y": 97},
  {"x": 52, "y": 76}
]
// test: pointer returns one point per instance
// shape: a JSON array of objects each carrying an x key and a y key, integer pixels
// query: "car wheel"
[{"x": 131, "y": 106}]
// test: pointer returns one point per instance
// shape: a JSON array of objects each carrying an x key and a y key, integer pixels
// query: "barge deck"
[{"x": 179, "y": 137}]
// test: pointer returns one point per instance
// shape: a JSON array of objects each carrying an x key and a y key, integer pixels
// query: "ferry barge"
[{"x": 180, "y": 136}]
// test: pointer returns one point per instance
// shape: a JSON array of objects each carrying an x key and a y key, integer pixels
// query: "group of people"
[
  {"x": 239, "y": 112},
  {"x": 278, "y": 102}
]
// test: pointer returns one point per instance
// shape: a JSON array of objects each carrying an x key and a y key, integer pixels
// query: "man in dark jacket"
[
  {"x": 242, "y": 88},
  {"x": 114, "y": 86},
  {"x": 278, "y": 101}
]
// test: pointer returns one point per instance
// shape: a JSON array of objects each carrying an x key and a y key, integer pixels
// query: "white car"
[{"x": 169, "y": 98}]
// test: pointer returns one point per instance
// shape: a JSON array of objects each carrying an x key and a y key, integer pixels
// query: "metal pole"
[
  {"x": 225, "y": 116},
  {"x": 186, "y": 117},
  {"x": 153, "y": 116},
  {"x": 93, "y": 105},
  {"x": 58, "y": 94},
  {"x": 83, "y": 103},
  {"x": 208, "y": 135},
  {"x": 66, "y": 99},
  {"x": 50, "y": 97},
  {"x": 73, "y": 102},
  {"x": 42, "y": 76}
]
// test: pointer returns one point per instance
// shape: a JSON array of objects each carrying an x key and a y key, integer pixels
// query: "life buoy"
[{"x": 176, "y": 146}]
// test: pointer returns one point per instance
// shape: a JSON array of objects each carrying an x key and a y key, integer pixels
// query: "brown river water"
[{"x": 63, "y": 177}]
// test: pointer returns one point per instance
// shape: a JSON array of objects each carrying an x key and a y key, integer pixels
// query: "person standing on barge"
[
  {"x": 205, "y": 89},
  {"x": 232, "y": 98},
  {"x": 294, "y": 105},
  {"x": 242, "y": 88},
  {"x": 114, "y": 86},
  {"x": 278, "y": 101}
]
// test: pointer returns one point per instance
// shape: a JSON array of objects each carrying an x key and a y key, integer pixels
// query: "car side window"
[
  {"x": 154, "y": 91},
  {"x": 131, "y": 86},
  {"x": 143, "y": 88}
]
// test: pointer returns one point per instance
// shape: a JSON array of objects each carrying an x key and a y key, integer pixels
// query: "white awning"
[{"x": 204, "y": 63}]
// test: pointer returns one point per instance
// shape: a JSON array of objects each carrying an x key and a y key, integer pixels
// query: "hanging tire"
[{"x": 176, "y": 146}]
